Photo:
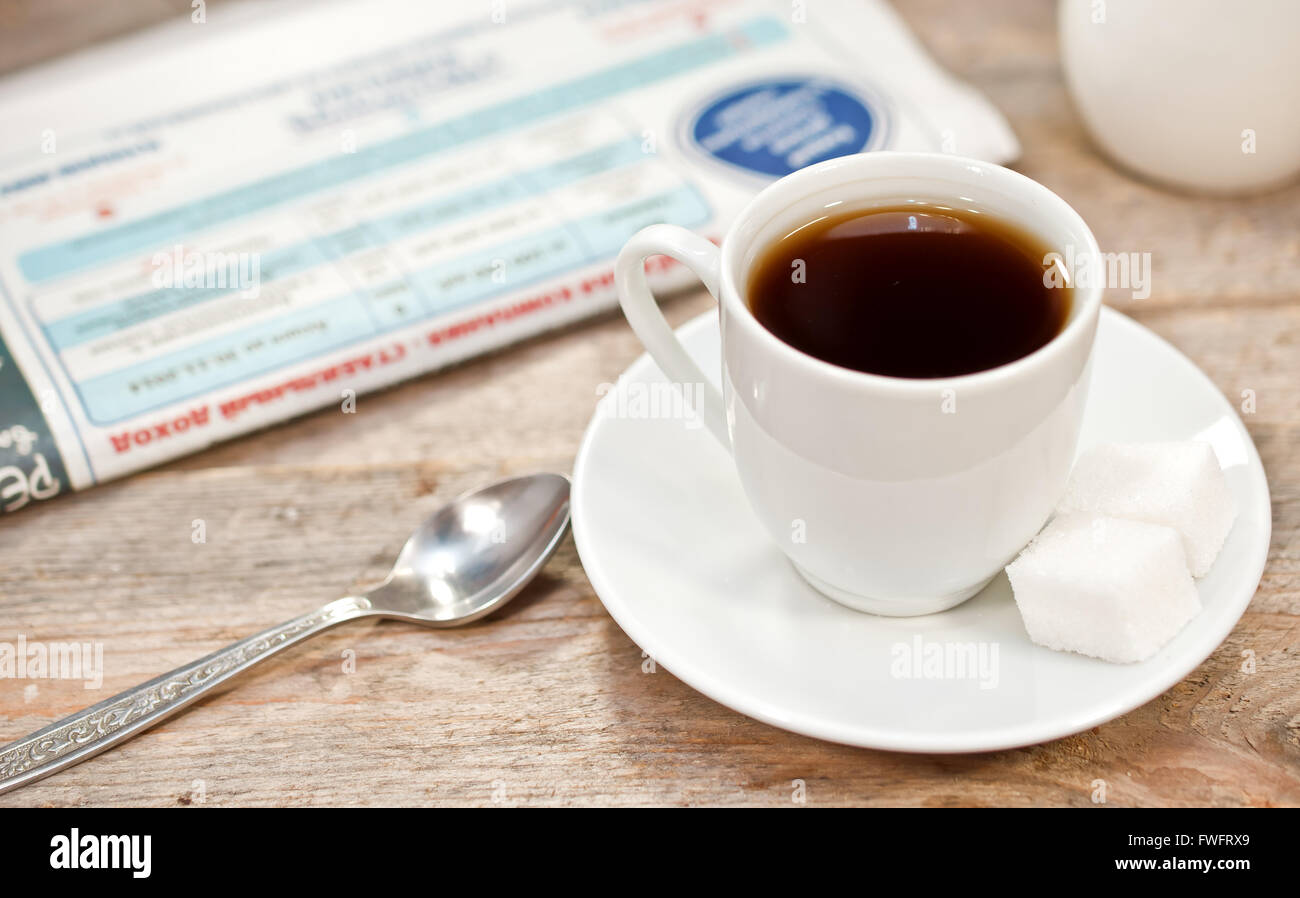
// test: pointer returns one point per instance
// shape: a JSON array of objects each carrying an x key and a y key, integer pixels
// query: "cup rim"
[{"x": 1087, "y": 300}]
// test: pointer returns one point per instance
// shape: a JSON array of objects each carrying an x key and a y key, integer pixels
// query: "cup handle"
[{"x": 648, "y": 323}]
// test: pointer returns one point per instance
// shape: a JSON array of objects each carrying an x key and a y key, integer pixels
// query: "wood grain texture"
[{"x": 547, "y": 703}]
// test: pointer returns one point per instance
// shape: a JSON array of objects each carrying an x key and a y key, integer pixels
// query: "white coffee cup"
[{"x": 891, "y": 495}]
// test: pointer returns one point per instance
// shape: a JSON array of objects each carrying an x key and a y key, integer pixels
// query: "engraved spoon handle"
[{"x": 77, "y": 737}]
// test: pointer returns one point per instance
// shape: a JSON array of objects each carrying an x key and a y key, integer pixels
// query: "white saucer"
[{"x": 670, "y": 545}]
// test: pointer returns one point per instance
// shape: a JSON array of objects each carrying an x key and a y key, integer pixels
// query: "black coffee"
[{"x": 909, "y": 291}]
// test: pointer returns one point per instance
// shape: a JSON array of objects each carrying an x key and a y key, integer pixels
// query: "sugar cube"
[
  {"x": 1179, "y": 485},
  {"x": 1108, "y": 587}
]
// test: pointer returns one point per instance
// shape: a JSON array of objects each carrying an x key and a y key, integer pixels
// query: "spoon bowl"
[{"x": 475, "y": 553}]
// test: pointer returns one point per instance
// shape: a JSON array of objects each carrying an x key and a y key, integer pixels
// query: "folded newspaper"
[{"x": 256, "y": 211}]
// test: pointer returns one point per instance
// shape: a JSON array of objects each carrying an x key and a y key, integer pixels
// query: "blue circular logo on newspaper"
[{"x": 775, "y": 127}]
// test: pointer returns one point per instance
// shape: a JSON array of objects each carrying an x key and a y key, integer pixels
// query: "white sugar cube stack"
[
  {"x": 1111, "y": 575},
  {"x": 1178, "y": 485},
  {"x": 1106, "y": 587}
]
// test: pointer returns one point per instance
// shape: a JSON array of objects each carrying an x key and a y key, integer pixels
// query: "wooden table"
[{"x": 547, "y": 703}]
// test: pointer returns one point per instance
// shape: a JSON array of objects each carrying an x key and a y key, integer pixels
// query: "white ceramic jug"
[{"x": 1200, "y": 94}]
